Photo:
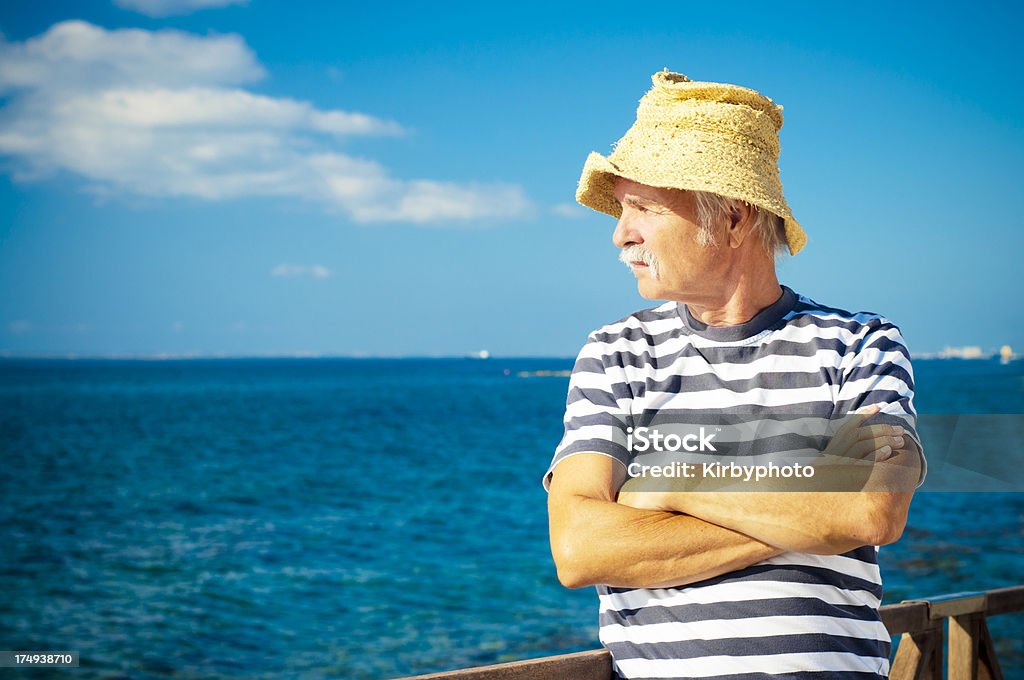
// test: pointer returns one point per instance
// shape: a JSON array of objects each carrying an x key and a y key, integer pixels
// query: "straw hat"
[{"x": 698, "y": 136}]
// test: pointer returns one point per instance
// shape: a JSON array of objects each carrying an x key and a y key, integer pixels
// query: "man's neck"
[{"x": 738, "y": 304}]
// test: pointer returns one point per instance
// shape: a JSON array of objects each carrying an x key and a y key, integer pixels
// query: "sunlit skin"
[{"x": 724, "y": 284}]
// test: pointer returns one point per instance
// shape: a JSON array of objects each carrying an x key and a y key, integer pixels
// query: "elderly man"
[{"x": 706, "y": 583}]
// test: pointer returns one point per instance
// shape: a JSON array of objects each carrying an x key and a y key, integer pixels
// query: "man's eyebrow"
[{"x": 638, "y": 202}]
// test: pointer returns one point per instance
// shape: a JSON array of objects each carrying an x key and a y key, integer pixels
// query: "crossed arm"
[
  {"x": 650, "y": 540},
  {"x": 594, "y": 539}
]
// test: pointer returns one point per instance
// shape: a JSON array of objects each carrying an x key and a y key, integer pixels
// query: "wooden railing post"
[
  {"x": 971, "y": 654},
  {"x": 919, "y": 655},
  {"x": 963, "y": 647}
]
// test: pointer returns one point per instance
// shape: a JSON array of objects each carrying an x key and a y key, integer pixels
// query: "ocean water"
[{"x": 351, "y": 518}]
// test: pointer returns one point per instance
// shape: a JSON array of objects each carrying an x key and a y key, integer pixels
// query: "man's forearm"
[
  {"x": 825, "y": 522},
  {"x": 820, "y": 523},
  {"x": 604, "y": 542}
]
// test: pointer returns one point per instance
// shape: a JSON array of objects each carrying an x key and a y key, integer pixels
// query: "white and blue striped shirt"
[{"x": 794, "y": 615}]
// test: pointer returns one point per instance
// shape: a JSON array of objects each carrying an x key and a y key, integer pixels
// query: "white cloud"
[
  {"x": 286, "y": 270},
  {"x": 166, "y": 113},
  {"x": 216, "y": 108},
  {"x": 570, "y": 210},
  {"x": 77, "y": 56},
  {"x": 166, "y": 8},
  {"x": 19, "y": 326}
]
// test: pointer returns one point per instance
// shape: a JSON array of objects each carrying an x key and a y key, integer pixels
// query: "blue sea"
[{"x": 352, "y": 518}]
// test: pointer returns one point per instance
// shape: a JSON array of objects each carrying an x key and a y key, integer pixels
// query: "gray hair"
[{"x": 712, "y": 208}]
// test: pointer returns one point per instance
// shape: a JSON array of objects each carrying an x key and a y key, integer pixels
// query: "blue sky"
[{"x": 182, "y": 177}]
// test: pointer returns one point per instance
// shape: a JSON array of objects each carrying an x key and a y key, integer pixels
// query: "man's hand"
[{"x": 858, "y": 441}]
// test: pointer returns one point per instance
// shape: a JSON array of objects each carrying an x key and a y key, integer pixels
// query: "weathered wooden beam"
[
  {"x": 905, "y": 617},
  {"x": 1005, "y": 600},
  {"x": 957, "y": 604},
  {"x": 592, "y": 665}
]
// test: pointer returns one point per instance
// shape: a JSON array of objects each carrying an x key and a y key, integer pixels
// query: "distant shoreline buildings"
[{"x": 1005, "y": 353}]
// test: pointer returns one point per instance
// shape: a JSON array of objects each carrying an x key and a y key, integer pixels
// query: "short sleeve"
[
  {"x": 878, "y": 371},
  {"x": 596, "y": 408}
]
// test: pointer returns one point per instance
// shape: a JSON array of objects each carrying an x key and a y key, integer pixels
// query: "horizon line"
[
  {"x": 184, "y": 356},
  {"x": 207, "y": 356}
]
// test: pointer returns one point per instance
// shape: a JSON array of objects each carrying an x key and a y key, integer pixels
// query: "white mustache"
[{"x": 639, "y": 253}]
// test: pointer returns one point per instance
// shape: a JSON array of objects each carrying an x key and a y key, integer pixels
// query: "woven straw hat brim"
[{"x": 596, "y": 191}]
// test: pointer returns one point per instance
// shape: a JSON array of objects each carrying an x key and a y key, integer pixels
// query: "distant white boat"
[
  {"x": 1006, "y": 354},
  {"x": 482, "y": 354},
  {"x": 543, "y": 374}
]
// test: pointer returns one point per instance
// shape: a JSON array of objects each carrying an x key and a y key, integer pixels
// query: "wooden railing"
[
  {"x": 971, "y": 654},
  {"x": 918, "y": 656}
]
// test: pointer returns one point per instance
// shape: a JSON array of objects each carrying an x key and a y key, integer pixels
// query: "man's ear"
[{"x": 741, "y": 221}]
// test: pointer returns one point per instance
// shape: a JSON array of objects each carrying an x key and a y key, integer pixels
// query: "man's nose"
[{"x": 624, "y": 234}]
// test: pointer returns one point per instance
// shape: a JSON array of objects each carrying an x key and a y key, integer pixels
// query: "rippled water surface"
[{"x": 350, "y": 519}]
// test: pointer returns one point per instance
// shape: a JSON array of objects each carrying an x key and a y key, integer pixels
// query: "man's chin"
[{"x": 648, "y": 289}]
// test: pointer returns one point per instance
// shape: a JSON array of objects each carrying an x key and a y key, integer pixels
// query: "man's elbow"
[
  {"x": 891, "y": 529},
  {"x": 886, "y": 517},
  {"x": 571, "y": 563},
  {"x": 575, "y": 541},
  {"x": 883, "y": 532},
  {"x": 571, "y": 576}
]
